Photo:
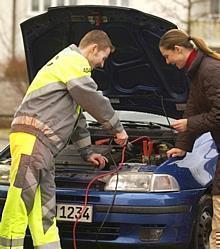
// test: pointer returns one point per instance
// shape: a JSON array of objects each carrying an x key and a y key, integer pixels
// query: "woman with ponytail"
[{"x": 202, "y": 114}]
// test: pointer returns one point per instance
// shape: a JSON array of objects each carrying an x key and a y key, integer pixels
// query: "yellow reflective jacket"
[{"x": 49, "y": 108}]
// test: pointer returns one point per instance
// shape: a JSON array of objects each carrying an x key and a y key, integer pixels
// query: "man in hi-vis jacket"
[{"x": 41, "y": 127}]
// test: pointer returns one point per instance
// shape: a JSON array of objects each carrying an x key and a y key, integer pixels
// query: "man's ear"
[{"x": 94, "y": 47}]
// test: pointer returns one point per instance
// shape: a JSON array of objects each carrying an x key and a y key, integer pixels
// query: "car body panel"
[
  {"x": 133, "y": 213},
  {"x": 128, "y": 216},
  {"x": 197, "y": 168}
]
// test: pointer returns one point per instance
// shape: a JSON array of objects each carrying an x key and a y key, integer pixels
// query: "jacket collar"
[
  {"x": 191, "y": 71},
  {"x": 75, "y": 48},
  {"x": 191, "y": 58}
]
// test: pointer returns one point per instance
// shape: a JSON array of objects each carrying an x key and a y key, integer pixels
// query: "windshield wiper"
[
  {"x": 163, "y": 125},
  {"x": 152, "y": 125}
]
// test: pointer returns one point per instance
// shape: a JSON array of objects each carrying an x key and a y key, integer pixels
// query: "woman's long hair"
[{"x": 178, "y": 37}]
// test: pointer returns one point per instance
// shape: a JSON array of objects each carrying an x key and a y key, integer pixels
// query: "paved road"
[
  {"x": 3, "y": 138},
  {"x": 3, "y": 143}
]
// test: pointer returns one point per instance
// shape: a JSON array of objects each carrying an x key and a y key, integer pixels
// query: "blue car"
[{"x": 141, "y": 199}]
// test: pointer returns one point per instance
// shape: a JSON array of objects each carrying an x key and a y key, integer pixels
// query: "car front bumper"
[
  {"x": 157, "y": 220},
  {"x": 135, "y": 220}
]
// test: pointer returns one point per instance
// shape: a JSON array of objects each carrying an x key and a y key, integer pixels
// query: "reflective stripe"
[
  {"x": 25, "y": 120},
  {"x": 48, "y": 212},
  {"x": 112, "y": 122},
  {"x": 45, "y": 90},
  {"x": 11, "y": 242},
  {"x": 52, "y": 245},
  {"x": 82, "y": 81},
  {"x": 84, "y": 142},
  {"x": 49, "y": 205}
]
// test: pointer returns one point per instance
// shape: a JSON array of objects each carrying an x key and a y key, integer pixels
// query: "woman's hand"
[
  {"x": 180, "y": 125},
  {"x": 174, "y": 152}
]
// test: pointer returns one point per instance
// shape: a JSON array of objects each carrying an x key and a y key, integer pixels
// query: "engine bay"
[{"x": 148, "y": 144}]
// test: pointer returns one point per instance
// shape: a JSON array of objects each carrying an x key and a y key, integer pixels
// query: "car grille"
[
  {"x": 69, "y": 183},
  {"x": 92, "y": 231},
  {"x": 72, "y": 199}
]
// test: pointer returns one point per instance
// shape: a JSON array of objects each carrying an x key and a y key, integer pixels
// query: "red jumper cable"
[
  {"x": 87, "y": 193},
  {"x": 101, "y": 176}
]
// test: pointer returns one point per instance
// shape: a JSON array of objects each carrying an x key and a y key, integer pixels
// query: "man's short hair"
[{"x": 98, "y": 37}]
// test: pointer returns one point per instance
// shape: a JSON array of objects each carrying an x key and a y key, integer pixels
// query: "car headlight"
[
  {"x": 4, "y": 173},
  {"x": 142, "y": 182}
]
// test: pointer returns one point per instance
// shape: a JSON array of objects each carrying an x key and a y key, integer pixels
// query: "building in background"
[
  {"x": 200, "y": 18},
  {"x": 207, "y": 22}
]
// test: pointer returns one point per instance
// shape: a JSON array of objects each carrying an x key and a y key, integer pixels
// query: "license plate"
[{"x": 68, "y": 212}]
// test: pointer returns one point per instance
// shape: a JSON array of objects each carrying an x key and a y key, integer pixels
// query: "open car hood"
[{"x": 135, "y": 77}]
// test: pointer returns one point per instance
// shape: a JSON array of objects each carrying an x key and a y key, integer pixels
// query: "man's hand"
[
  {"x": 98, "y": 160},
  {"x": 180, "y": 125},
  {"x": 174, "y": 152},
  {"x": 121, "y": 138}
]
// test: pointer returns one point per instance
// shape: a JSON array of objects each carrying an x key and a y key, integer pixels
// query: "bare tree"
[
  {"x": 191, "y": 10},
  {"x": 13, "y": 42},
  {"x": 13, "y": 68},
  {"x": 5, "y": 38}
]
